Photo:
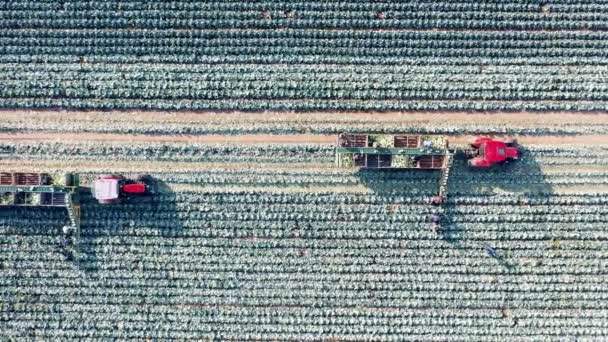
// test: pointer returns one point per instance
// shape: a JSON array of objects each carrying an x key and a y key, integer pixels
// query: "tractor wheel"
[
  {"x": 149, "y": 182},
  {"x": 473, "y": 142},
  {"x": 152, "y": 188},
  {"x": 468, "y": 154},
  {"x": 511, "y": 142},
  {"x": 144, "y": 178},
  {"x": 475, "y": 162}
]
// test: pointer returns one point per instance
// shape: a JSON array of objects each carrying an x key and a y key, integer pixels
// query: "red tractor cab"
[
  {"x": 113, "y": 188},
  {"x": 488, "y": 151}
]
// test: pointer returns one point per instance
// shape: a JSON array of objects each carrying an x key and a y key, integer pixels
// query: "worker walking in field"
[
  {"x": 490, "y": 251},
  {"x": 68, "y": 254},
  {"x": 67, "y": 230},
  {"x": 66, "y": 243},
  {"x": 65, "y": 247},
  {"x": 437, "y": 200},
  {"x": 436, "y": 222}
]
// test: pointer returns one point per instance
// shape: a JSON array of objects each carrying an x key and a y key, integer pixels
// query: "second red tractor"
[
  {"x": 114, "y": 188},
  {"x": 487, "y": 151}
]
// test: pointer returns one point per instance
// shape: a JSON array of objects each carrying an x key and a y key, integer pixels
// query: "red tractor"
[
  {"x": 488, "y": 151},
  {"x": 484, "y": 152},
  {"x": 115, "y": 189}
]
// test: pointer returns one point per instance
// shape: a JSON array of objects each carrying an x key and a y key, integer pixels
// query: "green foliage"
[
  {"x": 381, "y": 141},
  {"x": 347, "y": 160},
  {"x": 309, "y": 255},
  {"x": 6, "y": 198},
  {"x": 224, "y": 260},
  {"x": 226, "y": 55},
  {"x": 402, "y": 161},
  {"x": 58, "y": 179},
  {"x": 34, "y": 199},
  {"x": 437, "y": 142}
]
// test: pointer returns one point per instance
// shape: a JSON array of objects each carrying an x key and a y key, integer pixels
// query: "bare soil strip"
[
  {"x": 135, "y": 166},
  {"x": 564, "y": 169},
  {"x": 263, "y": 139},
  {"x": 544, "y": 119}
]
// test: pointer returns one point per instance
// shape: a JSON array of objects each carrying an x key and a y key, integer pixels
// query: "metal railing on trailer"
[
  {"x": 398, "y": 151},
  {"x": 43, "y": 190}
]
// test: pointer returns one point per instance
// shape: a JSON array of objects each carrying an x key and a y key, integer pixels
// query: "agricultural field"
[
  {"x": 353, "y": 55},
  {"x": 234, "y": 109},
  {"x": 256, "y": 235}
]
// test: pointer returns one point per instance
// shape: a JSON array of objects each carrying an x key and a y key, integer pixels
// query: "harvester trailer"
[
  {"x": 21, "y": 189},
  {"x": 42, "y": 190},
  {"x": 421, "y": 152}
]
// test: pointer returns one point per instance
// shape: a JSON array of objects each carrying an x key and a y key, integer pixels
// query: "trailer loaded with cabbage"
[{"x": 21, "y": 189}]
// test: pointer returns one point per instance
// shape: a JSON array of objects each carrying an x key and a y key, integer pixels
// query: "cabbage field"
[
  {"x": 292, "y": 248},
  {"x": 303, "y": 55},
  {"x": 234, "y": 107}
]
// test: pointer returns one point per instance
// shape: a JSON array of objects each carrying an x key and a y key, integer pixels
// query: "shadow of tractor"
[
  {"x": 488, "y": 196},
  {"x": 470, "y": 191},
  {"x": 105, "y": 227}
]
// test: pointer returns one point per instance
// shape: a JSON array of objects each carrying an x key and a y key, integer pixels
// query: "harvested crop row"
[{"x": 222, "y": 247}]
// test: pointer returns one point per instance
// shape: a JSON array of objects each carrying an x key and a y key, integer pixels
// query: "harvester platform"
[{"x": 43, "y": 190}]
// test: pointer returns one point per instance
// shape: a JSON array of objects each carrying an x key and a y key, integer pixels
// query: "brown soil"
[
  {"x": 563, "y": 169},
  {"x": 255, "y": 139},
  {"x": 580, "y": 189},
  {"x": 38, "y": 165},
  {"x": 544, "y": 119}
]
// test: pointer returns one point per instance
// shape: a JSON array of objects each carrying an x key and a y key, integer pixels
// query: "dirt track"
[
  {"x": 253, "y": 139},
  {"x": 522, "y": 118},
  {"x": 35, "y": 165},
  {"x": 52, "y": 125}
]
